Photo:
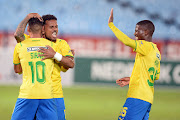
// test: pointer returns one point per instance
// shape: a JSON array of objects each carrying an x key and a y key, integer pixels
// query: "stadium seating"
[{"x": 89, "y": 17}]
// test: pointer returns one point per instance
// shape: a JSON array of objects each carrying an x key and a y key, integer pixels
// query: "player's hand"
[
  {"x": 48, "y": 53},
  {"x": 123, "y": 81},
  {"x": 34, "y": 15},
  {"x": 111, "y": 16}
]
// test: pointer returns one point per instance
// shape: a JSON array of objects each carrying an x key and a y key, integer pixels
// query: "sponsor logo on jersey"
[
  {"x": 158, "y": 56},
  {"x": 36, "y": 48},
  {"x": 69, "y": 51}
]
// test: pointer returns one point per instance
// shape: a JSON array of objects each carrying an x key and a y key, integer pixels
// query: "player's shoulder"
[
  {"x": 18, "y": 46},
  {"x": 61, "y": 41},
  {"x": 48, "y": 42},
  {"x": 44, "y": 39},
  {"x": 146, "y": 43},
  {"x": 143, "y": 42}
]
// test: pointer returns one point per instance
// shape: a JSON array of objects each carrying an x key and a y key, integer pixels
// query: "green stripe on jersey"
[
  {"x": 16, "y": 64},
  {"x": 136, "y": 46},
  {"x": 68, "y": 55}
]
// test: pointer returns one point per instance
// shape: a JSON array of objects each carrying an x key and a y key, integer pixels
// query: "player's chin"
[{"x": 53, "y": 38}]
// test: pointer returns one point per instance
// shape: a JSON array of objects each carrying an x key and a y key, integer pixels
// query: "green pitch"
[{"x": 99, "y": 103}]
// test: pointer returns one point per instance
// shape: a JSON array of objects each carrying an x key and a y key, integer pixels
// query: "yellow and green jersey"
[
  {"x": 146, "y": 67},
  {"x": 64, "y": 49},
  {"x": 37, "y": 83}
]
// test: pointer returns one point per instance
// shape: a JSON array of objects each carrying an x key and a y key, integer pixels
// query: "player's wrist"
[{"x": 57, "y": 56}]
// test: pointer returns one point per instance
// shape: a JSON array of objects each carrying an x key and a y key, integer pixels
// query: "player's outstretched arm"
[
  {"x": 123, "y": 81},
  {"x": 19, "y": 34},
  {"x": 50, "y": 53},
  {"x": 120, "y": 35}
]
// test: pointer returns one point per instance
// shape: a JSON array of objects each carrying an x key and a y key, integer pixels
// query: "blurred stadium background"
[{"x": 89, "y": 89}]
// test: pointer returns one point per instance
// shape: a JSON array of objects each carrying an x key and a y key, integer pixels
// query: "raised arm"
[
  {"x": 19, "y": 34},
  {"x": 120, "y": 35}
]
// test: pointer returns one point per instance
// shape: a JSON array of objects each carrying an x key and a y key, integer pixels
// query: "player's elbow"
[
  {"x": 71, "y": 65},
  {"x": 16, "y": 36},
  {"x": 17, "y": 68}
]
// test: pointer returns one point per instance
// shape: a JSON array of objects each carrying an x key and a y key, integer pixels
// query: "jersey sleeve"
[
  {"x": 64, "y": 48},
  {"x": 158, "y": 73},
  {"x": 143, "y": 47},
  {"x": 16, "y": 59},
  {"x": 122, "y": 37},
  {"x": 158, "y": 70},
  {"x": 63, "y": 69}
]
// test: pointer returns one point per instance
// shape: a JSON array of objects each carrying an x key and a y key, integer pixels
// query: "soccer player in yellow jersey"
[
  {"x": 50, "y": 33},
  {"x": 146, "y": 70},
  {"x": 35, "y": 95}
]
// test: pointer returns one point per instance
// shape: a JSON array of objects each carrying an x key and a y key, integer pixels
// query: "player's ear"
[
  {"x": 43, "y": 31},
  {"x": 146, "y": 32}
]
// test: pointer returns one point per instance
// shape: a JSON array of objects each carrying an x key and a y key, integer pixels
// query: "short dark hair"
[
  {"x": 147, "y": 24},
  {"x": 35, "y": 24},
  {"x": 48, "y": 17}
]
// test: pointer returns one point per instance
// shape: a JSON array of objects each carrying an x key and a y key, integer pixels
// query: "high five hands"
[{"x": 111, "y": 16}]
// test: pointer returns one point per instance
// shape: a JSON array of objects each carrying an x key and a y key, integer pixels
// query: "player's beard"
[{"x": 50, "y": 39}]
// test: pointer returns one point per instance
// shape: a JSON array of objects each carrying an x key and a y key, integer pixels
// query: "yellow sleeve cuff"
[{"x": 110, "y": 24}]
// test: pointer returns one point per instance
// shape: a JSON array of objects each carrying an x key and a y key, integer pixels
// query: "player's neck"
[
  {"x": 36, "y": 36},
  {"x": 149, "y": 39}
]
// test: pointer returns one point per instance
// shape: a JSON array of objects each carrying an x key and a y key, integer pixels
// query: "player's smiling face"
[
  {"x": 51, "y": 29},
  {"x": 139, "y": 33}
]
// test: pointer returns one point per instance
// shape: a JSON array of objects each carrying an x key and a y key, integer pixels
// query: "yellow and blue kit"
[
  {"x": 145, "y": 71},
  {"x": 64, "y": 49},
  {"x": 36, "y": 89}
]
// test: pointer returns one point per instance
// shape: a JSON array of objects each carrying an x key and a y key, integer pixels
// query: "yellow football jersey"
[
  {"x": 64, "y": 49},
  {"x": 146, "y": 70},
  {"x": 37, "y": 83},
  {"x": 146, "y": 67}
]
